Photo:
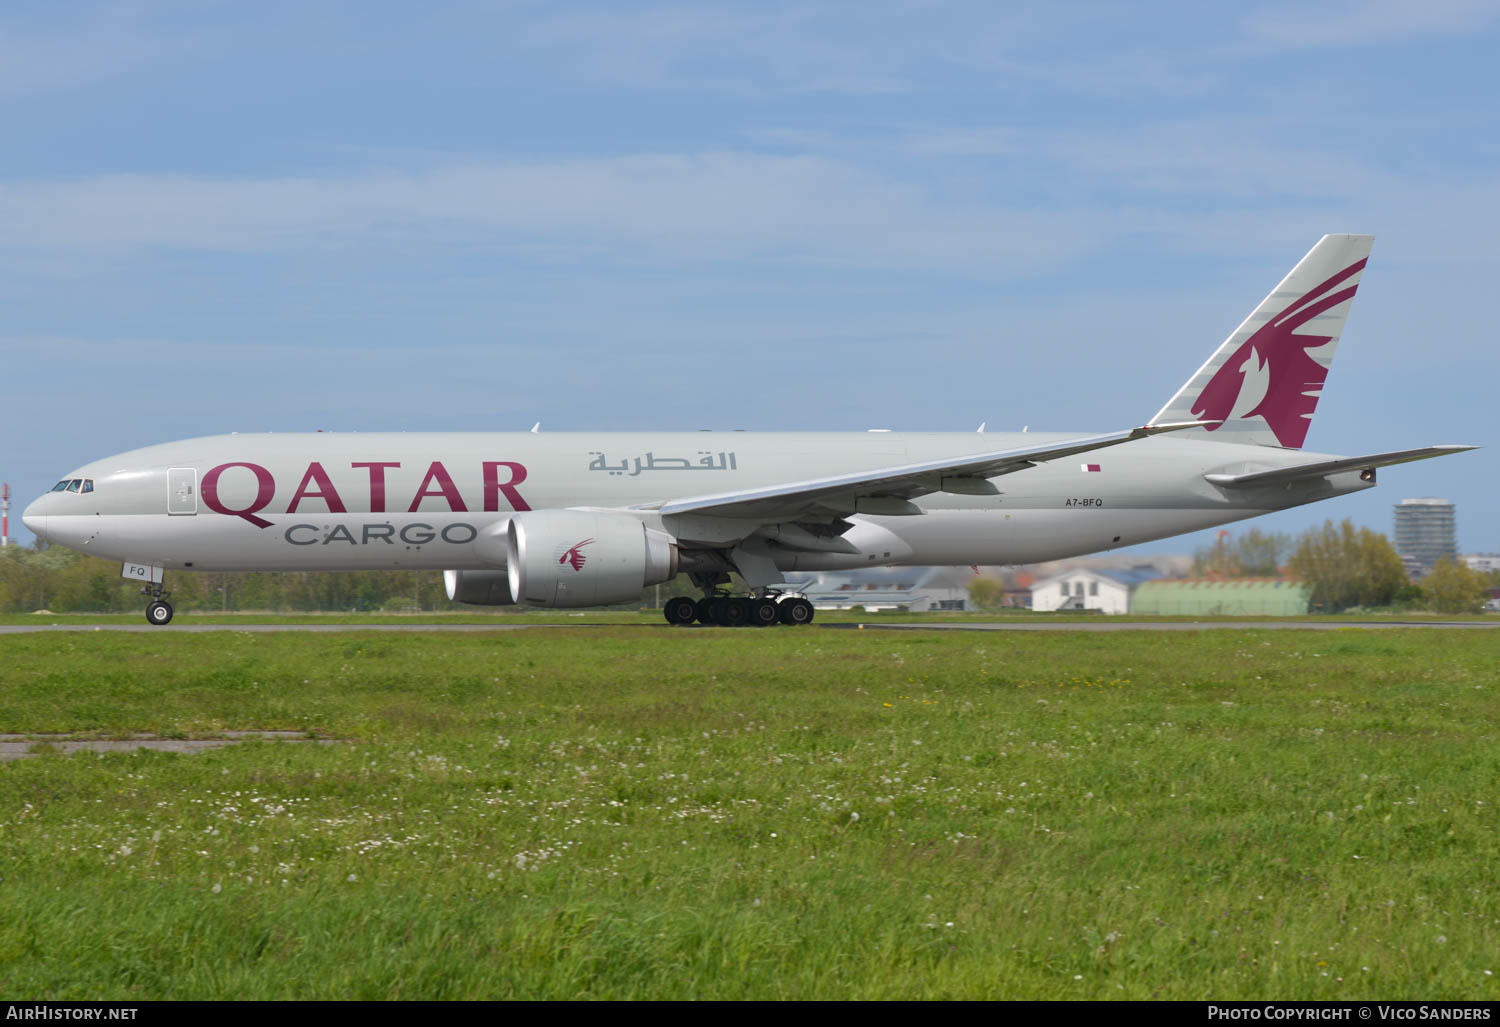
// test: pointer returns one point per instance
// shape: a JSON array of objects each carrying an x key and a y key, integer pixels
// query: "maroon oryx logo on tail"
[
  {"x": 1276, "y": 356},
  {"x": 573, "y": 557}
]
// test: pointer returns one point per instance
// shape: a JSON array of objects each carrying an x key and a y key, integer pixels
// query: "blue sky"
[{"x": 243, "y": 217}]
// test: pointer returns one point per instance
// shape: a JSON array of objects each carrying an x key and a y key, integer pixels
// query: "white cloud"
[
  {"x": 1349, "y": 23},
  {"x": 741, "y": 49},
  {"x": 38, "y": 62},
  {"x": 714, "y": 206},
  {"x": 73, "y": 46},
  {"x": 1193, "y": 187}
]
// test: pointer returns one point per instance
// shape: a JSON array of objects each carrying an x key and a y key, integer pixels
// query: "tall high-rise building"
[{"x": 1426, "y": 532}]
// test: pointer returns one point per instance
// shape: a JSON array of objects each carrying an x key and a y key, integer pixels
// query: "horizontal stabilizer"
[{"x": 1323, "y": 468}]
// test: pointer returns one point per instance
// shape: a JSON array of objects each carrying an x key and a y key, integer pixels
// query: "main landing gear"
[{"x": 730, "y": 611}]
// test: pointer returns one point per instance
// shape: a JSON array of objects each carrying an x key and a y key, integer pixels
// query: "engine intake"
[{"x": 572, "y": 558}]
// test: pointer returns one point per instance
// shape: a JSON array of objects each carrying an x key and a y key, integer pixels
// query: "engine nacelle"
[
  {"x": 571, "y": 558},
  {"x": 479, "y": 588}
]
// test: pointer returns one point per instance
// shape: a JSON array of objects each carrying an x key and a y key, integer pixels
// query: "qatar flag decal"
[{"x": 1091, "y": 467}]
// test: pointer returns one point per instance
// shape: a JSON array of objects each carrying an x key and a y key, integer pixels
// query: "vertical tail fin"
[{"x": 1263, "y": 383}]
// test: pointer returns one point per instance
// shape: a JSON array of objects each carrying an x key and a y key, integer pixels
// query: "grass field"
[{"x": 618, "y": 813}]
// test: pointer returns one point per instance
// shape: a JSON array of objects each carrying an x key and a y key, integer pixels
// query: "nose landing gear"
[{"x": 158, "y": 611}]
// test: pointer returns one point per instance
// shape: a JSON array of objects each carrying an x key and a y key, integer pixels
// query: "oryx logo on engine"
[{"x": 573, "y": 558}]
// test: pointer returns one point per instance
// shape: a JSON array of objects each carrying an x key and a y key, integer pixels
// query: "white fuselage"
[{"x": 329, "y": 501}]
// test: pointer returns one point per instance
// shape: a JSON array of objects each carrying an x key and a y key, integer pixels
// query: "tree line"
[{"x": 1344, "y": 567}]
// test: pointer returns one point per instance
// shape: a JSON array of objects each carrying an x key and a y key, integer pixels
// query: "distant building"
[
  {"x": 917, "y": 589},
  {"x": 1104, "y": 591},
  {"x": 1426, "y": 532},
  {"x": 1222, "y": 597},
  {"x": 1484, "y": 563}
]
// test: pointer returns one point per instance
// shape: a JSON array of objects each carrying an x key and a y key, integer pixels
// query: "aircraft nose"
[{"x": 35, "y": 518}]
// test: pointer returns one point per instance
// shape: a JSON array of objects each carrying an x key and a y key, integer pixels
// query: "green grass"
[{"x": 613, "y": 813}]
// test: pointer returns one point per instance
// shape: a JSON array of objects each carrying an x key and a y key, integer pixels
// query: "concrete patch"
[{"x": 20, "y": 746}]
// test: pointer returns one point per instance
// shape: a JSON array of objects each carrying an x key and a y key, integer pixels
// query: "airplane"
[{"x": 569, "y": 520}]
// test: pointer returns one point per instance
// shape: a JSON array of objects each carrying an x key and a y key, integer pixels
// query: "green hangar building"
[{"x": 1225, "y": 597}]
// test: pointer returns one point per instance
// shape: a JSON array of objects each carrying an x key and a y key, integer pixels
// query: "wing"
[
  {"x": 888, "y": 490},
  {"x": 1323, "y": 468}
]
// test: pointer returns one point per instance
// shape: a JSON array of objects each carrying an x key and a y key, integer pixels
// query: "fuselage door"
[{"x": 182, "y": 490}]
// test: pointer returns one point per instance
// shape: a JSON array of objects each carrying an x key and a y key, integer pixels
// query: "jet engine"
[
  {"x": 568, "y": 558},
  {"x": 479, "y": 588}
]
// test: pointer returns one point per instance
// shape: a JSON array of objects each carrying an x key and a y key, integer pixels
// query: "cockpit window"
[
  {"x": 75, "y": 485},
  {"x": 88, "y": 484},
  {"x": 61, "y": 486}
]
